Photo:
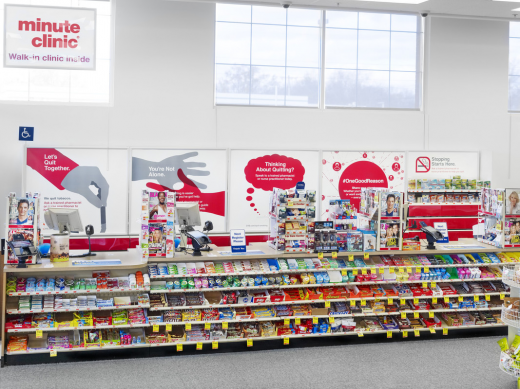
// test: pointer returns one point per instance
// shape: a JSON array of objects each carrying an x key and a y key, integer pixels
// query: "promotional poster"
[
  {"x": 344, "y": 173},
  {"x": 94, "y": 181},
  {"x": 194, "y": 175},
  {"x": 253, "y": 176}
]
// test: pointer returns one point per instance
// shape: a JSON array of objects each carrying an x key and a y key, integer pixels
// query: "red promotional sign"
[
  {"x": 362, "y": 174},
  {"x": 274, "y": 171}
]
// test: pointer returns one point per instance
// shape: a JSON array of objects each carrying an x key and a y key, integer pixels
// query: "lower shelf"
[{"x": 415, "y": 332}]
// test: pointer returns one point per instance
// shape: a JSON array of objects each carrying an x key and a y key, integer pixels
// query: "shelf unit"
[{"x": 132, "y": 261}]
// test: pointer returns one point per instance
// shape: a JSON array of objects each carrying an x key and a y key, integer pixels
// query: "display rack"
[
  {"x": 30, "y": 231},
  {"x": 373, "y": 207},
  {"x": 149, "y": 245},
  {"x": 492, "y": 217},
  {"x": 371, "y": 296},
  {"x": 290, "y": 232}
]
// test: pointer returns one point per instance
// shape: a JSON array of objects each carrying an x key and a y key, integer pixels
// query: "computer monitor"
[
  {"x": 187, "y": 214},
  {"x": 63, "y": 219}
]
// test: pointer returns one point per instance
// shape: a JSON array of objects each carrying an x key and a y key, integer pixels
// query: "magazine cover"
[
  {"x": 354, "y": 241},
  {"x": 21, "y": 211},
  {"x": 157, "y": 239},
  {"x": 512, "y": 232},
  {"x": 512, "y": 202},
  {"x": 158, "y": 206},
  {"x": 389, "y": 235},
  {"x": 369, "y": 241},
  {"x": 391, "y": 203}
]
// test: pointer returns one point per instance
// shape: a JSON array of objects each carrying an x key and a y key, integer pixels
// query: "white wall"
[{"x": 164, "y": 97}]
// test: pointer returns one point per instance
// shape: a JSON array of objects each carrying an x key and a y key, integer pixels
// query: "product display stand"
[
  {"x": 270, "y": 295},
  {"x": 511, "y": 317},
  {"x": 492, "y": 216},
  {"x": 161, "y": 242}
]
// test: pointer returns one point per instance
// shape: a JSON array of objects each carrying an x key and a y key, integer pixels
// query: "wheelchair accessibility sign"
[{"x": 26, "y": 133}]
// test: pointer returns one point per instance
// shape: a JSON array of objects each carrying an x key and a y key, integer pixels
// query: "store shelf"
[
  {"x": 93, "y": 291},
  {"x": 268, "y": 273},
  {"x": 53, "y": 329},
  {"x": 357, "y": 332},
  {"x": 443, "y": 190},
  {"x": 378, "y": 282},
  {"x": 209, "y": 306},
  {"x": 17, "y": 311}
]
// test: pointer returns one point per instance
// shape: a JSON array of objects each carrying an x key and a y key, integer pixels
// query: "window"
[
  {"x": 514, "y": 66},
  {"x": 371, "y": 60},
  {"x": 63, "y": 86},
  {"x": 267, "y": 56},
  {"x": 273, "y": 56}
]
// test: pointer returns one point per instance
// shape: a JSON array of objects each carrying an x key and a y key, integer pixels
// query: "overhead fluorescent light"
[{"x": 402, "y": 1}]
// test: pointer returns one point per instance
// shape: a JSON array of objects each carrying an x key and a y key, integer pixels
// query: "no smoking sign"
[{"x": 422, "y": 165}]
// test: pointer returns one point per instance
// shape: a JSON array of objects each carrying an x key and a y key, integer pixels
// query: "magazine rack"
[{"x": 157, "y": 235}]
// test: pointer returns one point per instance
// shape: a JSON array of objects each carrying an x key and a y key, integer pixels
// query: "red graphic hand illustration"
[{"x": 214, "y": 203}]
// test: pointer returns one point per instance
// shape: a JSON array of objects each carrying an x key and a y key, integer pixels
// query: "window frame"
[
  {"x": 419, "y": 76},
  {"x": 110, "y": 102}
]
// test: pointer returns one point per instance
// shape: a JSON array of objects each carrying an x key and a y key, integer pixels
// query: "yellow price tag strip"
[
  {"x": 426, "y": 269},
  {"x": 53, "y": 353},
  {"x": 343, "y": 272},
  {"x": 409, "y": 269},
  {"x": 188, "y": 326},
  {"x": 373, "y": 270},
  {"x": 434, "y": 300},
  {"x": 39, "y": 333},
  {"x": 401, "y": 270},
  {"x": 365, "y": 255},
  {"x": 431, "y": 315},
  {"x": 364, "y": 271},
  {"x": 476, "y": 298},
  {"x": 432, "y": 330},
  {"x": 350, "y": 258},
  {"x": 363, "y": 302},
  {"x": 403, "y": 315},
  {"x": 199, "y": 345},
  {"x": 214, "y": 345},
  {"x": 334, "y": 255},
  {"x": 320, "y": 255},
  {"x": 403, "y": 301},
  {"x": 249, "y": 342},
  {"x": 332, "y": 320},
  {"x": 488, "y": 297},
  {"x": 360, "y": 334},
  {"x": 224, "y": 325},
  {"x": 168, "y": 327},
  {"x": 381, "y": 270},
  {"x": 355, "y": 272},
  {"x": 327, "y": 304},
  {"x": 461, "y": 299},
  {"x": 405, "y": 334},
  {"x": 388, "y": 334},
  {"x": 207, "y": 326},
  {"x": 416, "y": 315},
  {"x": 286, "y": 322},
  {"x": 155, "y": 328},
  {"x": 434, "y": 284},
  {"x": 285, "y": 341},
  {"x": 425, "y": 285},
  {"x": 446, "y": 299},
  {"x": 502, "y": 296},
  {"x": 297, "y": 321},
  {"x": 390, "y": 300},
  {"x": 314, "y": 320},
  {"x": 416, "y": 300},
  {"x": 352, "y": 303},
  {"x": 416, "y": 332},
  {"x": 445, "y": 331},
  {"x": 179, "y": 346}
]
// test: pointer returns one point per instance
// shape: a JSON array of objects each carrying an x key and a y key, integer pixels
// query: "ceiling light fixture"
[{"x": 400, "y": 1}]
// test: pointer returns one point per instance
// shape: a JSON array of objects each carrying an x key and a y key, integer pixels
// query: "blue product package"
[
  {"x": 493, "y": 258},
  {"x": 273, "y": 264},
  {"x": 326, "y": 278},
  {"x": 477, "y": 257}
]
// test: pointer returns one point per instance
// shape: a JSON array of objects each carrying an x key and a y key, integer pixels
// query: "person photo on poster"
[
  {"x": 160, "y": 209},
  {"x": 512, "y": 202},
  {"x": 23, "y": 209},
  {"x": 390, "y": 205}
]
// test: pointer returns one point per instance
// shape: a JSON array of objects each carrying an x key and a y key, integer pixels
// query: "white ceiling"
[{"x": 481, "y": 8}]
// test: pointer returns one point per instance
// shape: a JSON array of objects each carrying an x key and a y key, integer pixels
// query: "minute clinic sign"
[{"x": 49, "y": 37}]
